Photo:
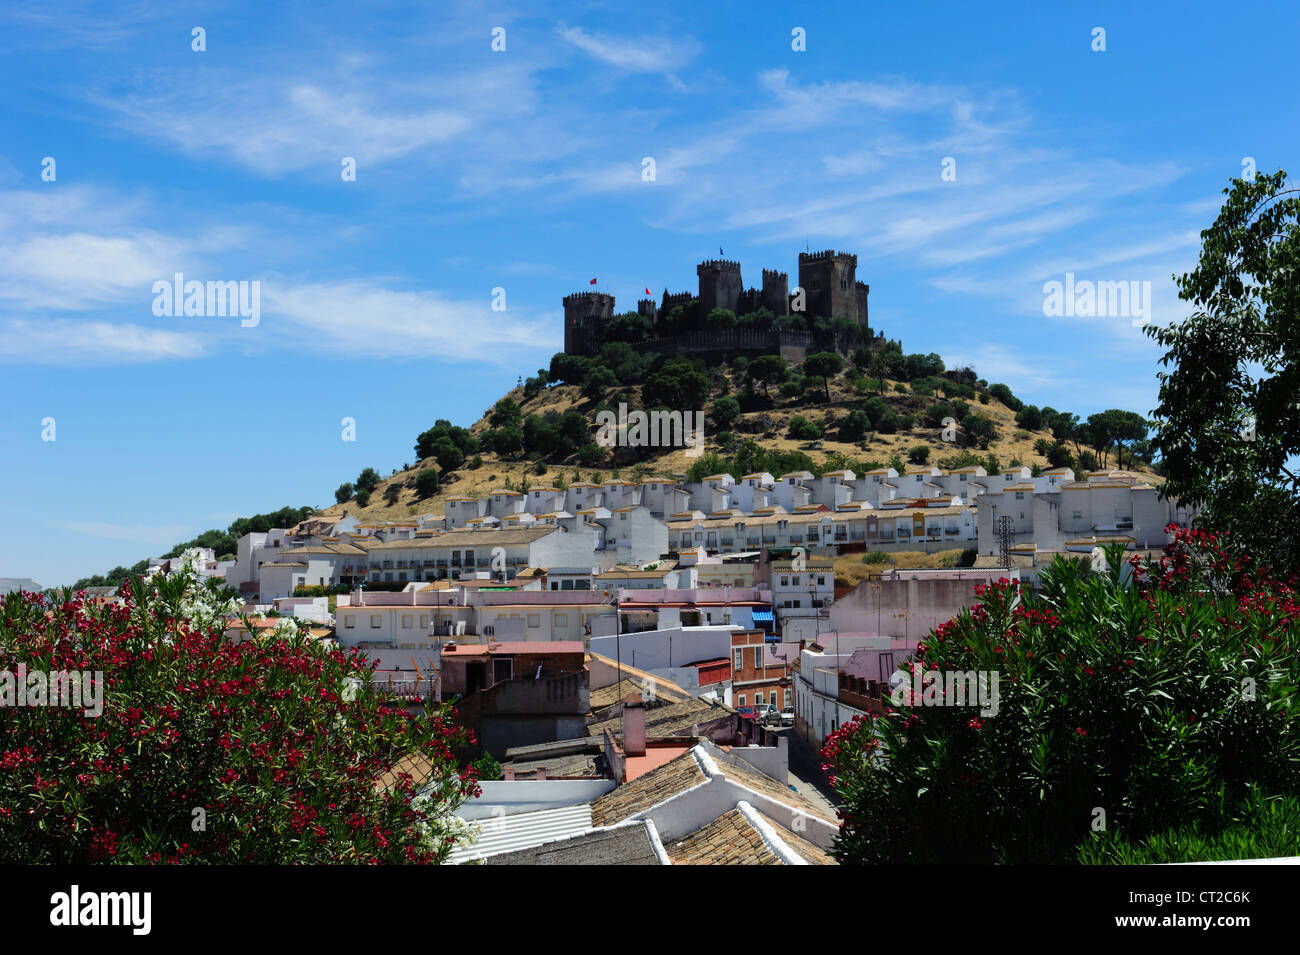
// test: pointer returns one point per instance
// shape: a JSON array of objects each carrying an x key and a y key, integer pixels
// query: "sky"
[{"x": 523, "y": 169}]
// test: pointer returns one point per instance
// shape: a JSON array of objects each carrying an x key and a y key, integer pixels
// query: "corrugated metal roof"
[{"x": 523, "y": 831}]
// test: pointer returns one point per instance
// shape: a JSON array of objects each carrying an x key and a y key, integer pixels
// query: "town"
[{"x": 647, "y": 661}]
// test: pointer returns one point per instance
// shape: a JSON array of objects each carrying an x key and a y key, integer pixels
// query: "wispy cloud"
[
  {"x": 635, "y": 54},
  {"x": 368, "y": 319},
  {"x": 67, "y": 342}
]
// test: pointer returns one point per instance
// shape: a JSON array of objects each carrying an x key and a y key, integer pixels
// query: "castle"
[{"x": 828, "y": 287}]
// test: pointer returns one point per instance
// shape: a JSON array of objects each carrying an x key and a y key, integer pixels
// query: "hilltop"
[{"x": 813, "y": 427}]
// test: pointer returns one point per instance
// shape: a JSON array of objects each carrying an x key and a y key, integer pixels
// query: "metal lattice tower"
[{"x": 1002, "y": 527}]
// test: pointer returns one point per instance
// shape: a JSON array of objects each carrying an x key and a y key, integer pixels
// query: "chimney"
[
  {"x": 541, "y": 773},
  {"x": 508, "y": 773},
  {"x": 633, "y": 725}
]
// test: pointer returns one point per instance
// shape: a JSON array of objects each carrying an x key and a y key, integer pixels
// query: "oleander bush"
[
  {"x": 1142, "y": 707},
  {"x": 271, "y": 750}
]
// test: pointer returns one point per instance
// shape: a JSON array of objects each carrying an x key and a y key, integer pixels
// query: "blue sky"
[{"x": 522, "y": 170}]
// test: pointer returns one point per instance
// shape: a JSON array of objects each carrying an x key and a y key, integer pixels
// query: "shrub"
[
  {"x": 855, "y": 426},
  {"x": 918, "y": 454},
  {"x": 426, "y": 483},
  {"x": 803, "y": 429},
  {"x": 725, "y": 410},
  {"x": 363, "y": 498},
  {"x": 343, "y": 494},
  {"x": 1167, "y": 698},
  {"x": 278, "y": 739}
]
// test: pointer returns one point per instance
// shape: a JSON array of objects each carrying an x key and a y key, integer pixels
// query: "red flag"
[
  {"x": 592, "y": 282},
  {"x": 648, "y": 292}
]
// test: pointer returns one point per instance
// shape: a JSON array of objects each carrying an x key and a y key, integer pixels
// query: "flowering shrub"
[
  {"x": 1131, "y": 705},
  {"x": 264, "y": 751}
]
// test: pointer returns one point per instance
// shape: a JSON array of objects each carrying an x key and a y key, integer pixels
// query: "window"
[
  {"x": 349, "y": 622},
  {"x": 1020, "y": 495},
  {"x": 1078, "y": 515},
  {"x": 424, "y": 621},
  {"x": 561, "y": 619},
  {"x": 785, "y": 581},
  {"x": 375, "y": 620},
  {"x": 739, "y": 663},
  {"x": 534, "y": 621},
  {"x": 740, "y": 700},
  {"x": 961, "y": 477},
  {"x": 758, "y": 658},
  {"x": 821, "y": 580},
  {"x": 407, "y": 621}
]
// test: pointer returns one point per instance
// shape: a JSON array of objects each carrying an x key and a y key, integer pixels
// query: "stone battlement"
[{"x": 828, "y": 254}]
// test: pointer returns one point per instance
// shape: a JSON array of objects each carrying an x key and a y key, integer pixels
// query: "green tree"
[
  {"x": 1228, "y": 424},
  {"x": 505, "y": 414},
  {"x": 426, "y": 483},
  {"x": 1003, "y": 394},
  {"x": 725, "y": 410},
  {"x": 824, "y": 365},
  {"x": 343, "y": 494},
  {"x": 368, "y": 480},
  {"x": 768, "y": 370},
  {"x": 978, "y": 429},
  {"x": 802, "y": 429}
]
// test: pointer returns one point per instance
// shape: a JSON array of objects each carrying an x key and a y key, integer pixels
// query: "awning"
[{"x": 763, "y": 616}]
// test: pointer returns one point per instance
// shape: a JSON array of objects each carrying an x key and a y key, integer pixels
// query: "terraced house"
[{"x": 440, "y": 556}]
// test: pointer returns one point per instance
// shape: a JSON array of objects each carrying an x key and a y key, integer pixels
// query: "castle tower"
[
  {"x": 828, "y": 280},
  {"x": 585, "y": 316},
  {"x": 776, "y": 292},
  {"x": 862, "y": 290},
  {"x": 648, "y": 310},
  {"x": 720, "y": 285}
]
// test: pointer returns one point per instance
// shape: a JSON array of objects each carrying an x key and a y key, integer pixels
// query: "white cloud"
[
  {"x": 78, "y": 270},
  {"x": 366, "y": 319},
  {"x": 62, "y": 341},
  {"x": 641, "y": 54}
]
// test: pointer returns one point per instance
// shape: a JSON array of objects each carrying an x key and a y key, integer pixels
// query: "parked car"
[
  {"x": 787, "y": 716},
  {"x": 767, "y": 713},
  {"x": 748, "y": 712}
]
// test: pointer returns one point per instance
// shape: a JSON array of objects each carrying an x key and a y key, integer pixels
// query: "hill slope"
[{"x": 767, "y": 426}]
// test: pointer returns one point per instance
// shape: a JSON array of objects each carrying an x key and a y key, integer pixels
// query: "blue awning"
[{"x": 763, "y": 616}]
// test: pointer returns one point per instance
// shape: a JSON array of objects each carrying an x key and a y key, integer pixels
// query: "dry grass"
[{"x": 851, "y": 571}]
